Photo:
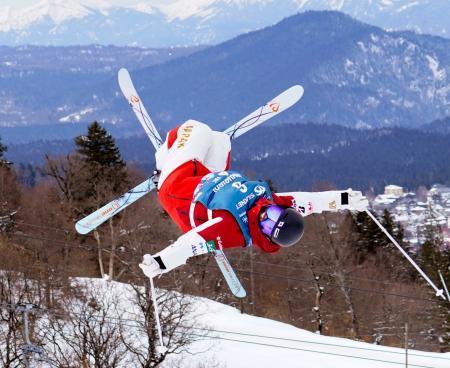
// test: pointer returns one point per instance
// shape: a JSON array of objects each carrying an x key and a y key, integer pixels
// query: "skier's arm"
[
  {"x": 187, "y": 245},
  {"x": 334, "y": 200}
]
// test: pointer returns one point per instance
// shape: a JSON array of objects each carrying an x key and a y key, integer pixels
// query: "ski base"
[
  {"x": 271, "y": 109},
  {"x": 131, "y": 95},
  {"x": 104, "y": 213},
  {"x": 228, "y": 273}
]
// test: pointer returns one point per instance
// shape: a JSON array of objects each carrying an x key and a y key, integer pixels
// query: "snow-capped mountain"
[
  {"x": 13, "y": 19},
  {"x": 422, "y": 16},
  {"x": 192, "y": 22},
  {"x": 180, "y": 23}
]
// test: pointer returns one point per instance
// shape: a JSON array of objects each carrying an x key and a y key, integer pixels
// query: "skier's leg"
[
  {"x": 191, "y": 142},
  {"x": 218, "y": 156}
]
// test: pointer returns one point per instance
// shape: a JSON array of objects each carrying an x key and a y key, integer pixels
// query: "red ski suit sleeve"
[{"x": 175, "y": 196}]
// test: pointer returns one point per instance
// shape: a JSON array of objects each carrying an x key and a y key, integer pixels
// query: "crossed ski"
[
  {"x": 252, "y": 120},
  {"x": 259, "y": 116}
]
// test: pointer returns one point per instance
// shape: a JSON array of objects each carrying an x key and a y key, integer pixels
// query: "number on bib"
[{"x": 239, "y": 186}]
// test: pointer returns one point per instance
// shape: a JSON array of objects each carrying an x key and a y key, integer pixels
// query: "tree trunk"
[
  {"x": 342, "y": 280},
  {"x": 252, "y": 281},
  {"x": 348, "y": 300},
  {"x": 100, "y": 254},
  {"x": 112, "y": 255},
  {"x": 319, "y": 293}
]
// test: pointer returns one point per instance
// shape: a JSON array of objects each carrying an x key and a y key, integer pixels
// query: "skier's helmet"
[{"x": 283, "y": 226}]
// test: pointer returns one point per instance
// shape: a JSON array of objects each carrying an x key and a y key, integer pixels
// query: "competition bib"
[{"x": 233, "y": 192}]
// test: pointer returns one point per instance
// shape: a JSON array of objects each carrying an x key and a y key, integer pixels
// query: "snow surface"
[
  {"x": 57, "y": 10},
  {"x": 76, "y": 116},
  {"x": 240, "y": 340}
]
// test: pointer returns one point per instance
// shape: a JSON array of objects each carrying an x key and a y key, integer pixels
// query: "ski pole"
[
  {"x": 445, "y": 285},
  {"x": 439, "y": 292},
  {"x": 158, "y": 324}
]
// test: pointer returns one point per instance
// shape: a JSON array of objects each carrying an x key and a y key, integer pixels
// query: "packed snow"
[{"x": 240, "y": 340}]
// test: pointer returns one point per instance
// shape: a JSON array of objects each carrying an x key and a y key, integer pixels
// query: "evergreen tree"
[
  {"x": 387, "y": 221},
  {"x": 4, "y": 162},
  {"x": 389, "y": 255},
  {"x": 431, "y": 257},
  {"x": 3, "y": 149},
  {"x": 99, "y": 147},
  {"x": 103, "y": 175},
  {"x": 371, "y": 237},
  {"x": 9, "y": 192},
  {"x": 393, "y": 228},
  {"x": 435, "y": 257},
  {"x": 373, "y": 242},
  {"x": 105, "y": 171}
]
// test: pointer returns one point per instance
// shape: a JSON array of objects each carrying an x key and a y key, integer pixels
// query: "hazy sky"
[{"x": 25, "y": 3}]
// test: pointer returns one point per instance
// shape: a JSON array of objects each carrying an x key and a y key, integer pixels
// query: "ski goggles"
[{"x": 268, "y": 218}]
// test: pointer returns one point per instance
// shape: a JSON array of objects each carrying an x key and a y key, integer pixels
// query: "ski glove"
[
  {"x": 356, "y": 201},
  {"x": 176, "y": 254},
  {"x": 346, "y": 200},
  {"x": 150, "y": 266}
]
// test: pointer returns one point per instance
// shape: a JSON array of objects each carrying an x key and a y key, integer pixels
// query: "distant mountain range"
[
  {"x": 187, "y": 22},
  {"x": 438, "y": 126},
  {"x": 92, "y": 59},
  {"x": 27, "y": 72},
  {"x": 354, "y": 74}
]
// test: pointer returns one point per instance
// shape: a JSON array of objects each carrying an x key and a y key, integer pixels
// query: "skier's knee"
[{"x": 217, "y": 157}]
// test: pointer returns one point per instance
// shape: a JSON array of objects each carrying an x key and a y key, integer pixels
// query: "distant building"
[
  {"x": 415, "y": 211},
  {"x": 393, "y": 190}
]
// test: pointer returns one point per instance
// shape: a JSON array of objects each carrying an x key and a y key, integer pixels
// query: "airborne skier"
[
  {"x": 217, "y": 208},
  {"x": 196, "y": 187}
]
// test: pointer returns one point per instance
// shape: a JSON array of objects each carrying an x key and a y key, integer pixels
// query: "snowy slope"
[
  {"x": 187, "y": 22},
  {"x": 233, "y": 342},
  {"x": 288, "y": 346}
]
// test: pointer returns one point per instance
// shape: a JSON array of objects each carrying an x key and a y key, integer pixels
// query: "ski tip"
[
  {"x": 122, "y": 71},
  {"x": 82, "y": 229},
  {"x": 298, "y": 90},
  {"x": 241, "y": 293},
  {"x": 288, "y": 98},
  {"x": 123, "y": 74}
]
